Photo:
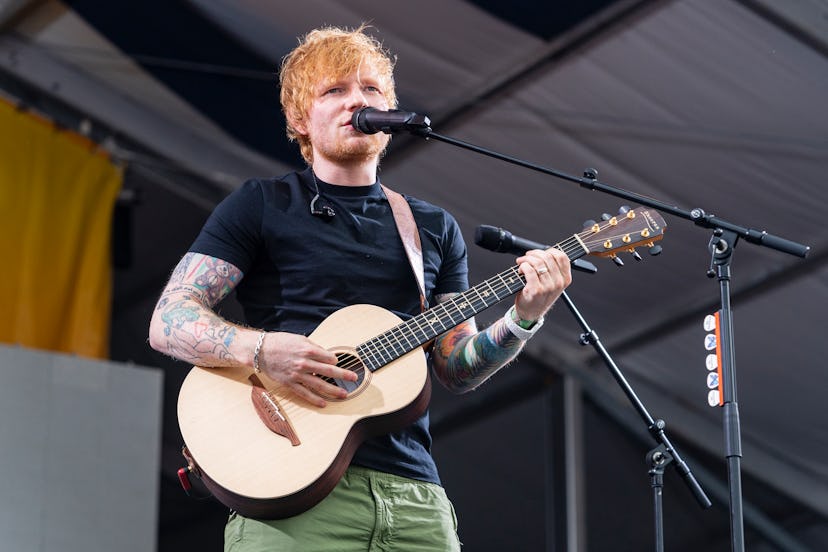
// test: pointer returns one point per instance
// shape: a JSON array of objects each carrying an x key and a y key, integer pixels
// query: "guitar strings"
[
  {"x": 398, "y": 333},
  {"x": 394, "y": 336},
  {"x": 577, "y": 242}
]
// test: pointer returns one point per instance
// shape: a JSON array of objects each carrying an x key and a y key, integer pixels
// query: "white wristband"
[{"x": 516, "y": 330}]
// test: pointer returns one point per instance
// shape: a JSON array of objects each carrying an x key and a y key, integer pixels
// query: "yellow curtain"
[{"x": 57, "y": 195}]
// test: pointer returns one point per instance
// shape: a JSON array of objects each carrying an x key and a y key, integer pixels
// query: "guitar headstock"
[{"x": 623, "y": 233}]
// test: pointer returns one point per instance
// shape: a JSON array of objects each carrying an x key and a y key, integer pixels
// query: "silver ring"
[{"x": 543, "y": 270}]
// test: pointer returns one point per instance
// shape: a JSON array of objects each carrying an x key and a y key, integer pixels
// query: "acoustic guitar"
[{"x": 268, "y": 454}]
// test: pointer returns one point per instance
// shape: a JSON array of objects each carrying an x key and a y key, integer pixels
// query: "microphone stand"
[
  {"x": 661, "y": 456},
  {"x": 664, "y": 453},
  {"x": 725, "y": 237}
]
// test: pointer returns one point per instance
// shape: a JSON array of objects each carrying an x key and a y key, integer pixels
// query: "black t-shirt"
[{"x": 298, "y": 269}]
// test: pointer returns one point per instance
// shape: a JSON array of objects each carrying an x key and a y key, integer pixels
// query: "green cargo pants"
[{"x": 368, "y": 511}]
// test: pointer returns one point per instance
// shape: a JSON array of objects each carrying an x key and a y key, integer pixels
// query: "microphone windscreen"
[
  {"x": 489, "y": 237},
  {"x": 359, "y": 122}
]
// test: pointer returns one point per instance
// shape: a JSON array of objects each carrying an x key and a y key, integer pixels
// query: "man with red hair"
[{"x": 298, "y": 248}]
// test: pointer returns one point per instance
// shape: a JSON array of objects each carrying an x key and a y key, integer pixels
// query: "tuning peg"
[
  {"x": 655, "y": 250},
  {"x": 589, "y": 223},
  {"x": 624, "y": 209},
  {"x": 635, "y": 255},
  {"x": 606, "y": 216},
  {"x": 617, "y": 260}
]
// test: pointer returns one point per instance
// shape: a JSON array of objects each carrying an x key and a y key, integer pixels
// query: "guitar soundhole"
[{"x": 350, "y": 361}]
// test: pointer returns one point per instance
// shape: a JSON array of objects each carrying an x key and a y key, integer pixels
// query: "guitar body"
[
  {"x": 263, "y": 474},
  {"x": 268, "y": 454}
]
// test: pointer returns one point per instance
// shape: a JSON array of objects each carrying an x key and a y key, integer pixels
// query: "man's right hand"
[{"x": 297, "y": 363}]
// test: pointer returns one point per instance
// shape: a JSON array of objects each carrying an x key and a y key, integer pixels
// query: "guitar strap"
[{"x": 407, "y": 228}]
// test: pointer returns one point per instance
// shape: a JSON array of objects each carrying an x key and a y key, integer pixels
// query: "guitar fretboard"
[{"x": 407, "y": 336}]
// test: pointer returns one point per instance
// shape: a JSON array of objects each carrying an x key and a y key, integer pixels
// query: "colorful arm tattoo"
[
  {"x": 192, "y": 330},
  {"x": 463, "y": 358}
]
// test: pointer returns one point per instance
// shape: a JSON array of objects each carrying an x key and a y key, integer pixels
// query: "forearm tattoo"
[
  {"x": 464, "y": 359},
  {"x": 193, "y": 331}
]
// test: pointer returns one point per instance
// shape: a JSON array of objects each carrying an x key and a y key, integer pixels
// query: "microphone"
[
  {"x": 370, "y": 120},
  {"x": 503, "y": 241}
]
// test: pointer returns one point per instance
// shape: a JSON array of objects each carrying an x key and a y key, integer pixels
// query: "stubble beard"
[{"x": 359, "y": 151}]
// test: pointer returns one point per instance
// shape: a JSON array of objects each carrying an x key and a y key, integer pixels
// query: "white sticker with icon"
[
  {"x": 709, "y": 323},
  {"x": 712, "y": 380},
  {"x": 712, "y": 362},
  {"x": 710, "y": 342}
]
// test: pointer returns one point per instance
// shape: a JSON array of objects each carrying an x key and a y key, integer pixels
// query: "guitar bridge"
[{"x": 269, "y": 411}]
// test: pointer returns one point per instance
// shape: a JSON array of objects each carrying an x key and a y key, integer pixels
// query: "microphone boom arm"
[
  {"x": 591, "y": 182},
  {"x": 719, "y": 227}
]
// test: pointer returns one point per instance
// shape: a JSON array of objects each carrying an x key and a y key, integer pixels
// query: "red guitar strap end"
[{"x": 184, "y": 479}]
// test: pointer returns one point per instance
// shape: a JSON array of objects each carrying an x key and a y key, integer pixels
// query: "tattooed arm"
[
  {"x": 463, "y": 358},
  {"x": 185, "y": 326}
]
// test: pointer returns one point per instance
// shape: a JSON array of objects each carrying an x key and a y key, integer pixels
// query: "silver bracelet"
[
  {"x": 256, "y": 353},
  {"x": 517, "y": 331}
]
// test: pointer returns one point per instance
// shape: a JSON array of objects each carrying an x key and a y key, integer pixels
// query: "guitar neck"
[{"x": 413, "y": 333}]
